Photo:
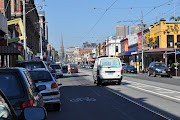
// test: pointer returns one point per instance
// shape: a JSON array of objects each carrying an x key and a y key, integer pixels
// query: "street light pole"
[
  {"x": 41, "y": 57},
  {"x": 142, "y": 41},
  {"x": 24, "y": 24}
]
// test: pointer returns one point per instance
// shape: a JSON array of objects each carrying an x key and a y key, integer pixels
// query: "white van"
[{"x": 107, "y": 69}]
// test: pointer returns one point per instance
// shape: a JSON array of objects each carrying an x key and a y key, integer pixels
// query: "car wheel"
[
  {"x": 149, "y": 73},
  {"x": 154, "y": 74},
  {"x": 170, "y": 76},
  {"x": 95, "y": 81},
  {"x": 99, "y": 82},
  {"x": 119, "y": 82},
  {"x": 57, "y": 106}
]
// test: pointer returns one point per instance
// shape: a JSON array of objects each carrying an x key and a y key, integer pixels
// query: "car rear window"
[
  {"x": 73, "y": 65},
  {"x": 10, "y": 85},
  {"x": 109, "y": 63},
  {"x": 55, "y": 66},
  {"x": 40, "y": 76}
]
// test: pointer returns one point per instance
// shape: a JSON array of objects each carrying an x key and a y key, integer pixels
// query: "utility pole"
[
  {"x": 115, "y": 47},
  {"x": 142, "y": 41},
  {"x": 41, "y": 57},
  {"x": 176, "y": 61},
  {"x": 174, "y": 11},
  {"x": 24, "y": 24}
]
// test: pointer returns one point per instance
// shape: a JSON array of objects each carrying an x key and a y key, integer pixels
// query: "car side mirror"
[
  {"x": 34, "y": 113},
  {"x": 41, "y": 87}
]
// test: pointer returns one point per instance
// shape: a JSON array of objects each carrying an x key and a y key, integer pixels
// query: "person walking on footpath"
[{"x": 69, "y": 69}]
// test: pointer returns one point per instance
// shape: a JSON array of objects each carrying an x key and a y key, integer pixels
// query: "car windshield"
[
  {"x": 160, "y": 65},
  {"x": 10, "y": 85},
  {"x": 110, "y": 63},
  {"x": 55, "y": 66},
  {"x": 40, "y": 76},
  {"x": 33, "y": 65}
]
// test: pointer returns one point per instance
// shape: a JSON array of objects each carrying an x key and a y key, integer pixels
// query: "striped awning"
[{"x": 9, "y": 50}]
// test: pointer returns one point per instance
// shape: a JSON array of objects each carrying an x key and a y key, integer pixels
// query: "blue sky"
[{"x": 74, "y": 19}]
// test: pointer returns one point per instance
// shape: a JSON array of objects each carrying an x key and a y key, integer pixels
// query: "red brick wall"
[{"x": 2, "y": 6}]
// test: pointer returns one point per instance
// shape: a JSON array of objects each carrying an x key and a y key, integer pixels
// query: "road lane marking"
[
  {"x": 155, "y": 90},
  {"x": 157, "y": 113}
]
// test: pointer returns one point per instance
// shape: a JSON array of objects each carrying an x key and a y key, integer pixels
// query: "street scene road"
[
  {"x": 134, "y": 99},
  {"x": 90, "y": 59}
]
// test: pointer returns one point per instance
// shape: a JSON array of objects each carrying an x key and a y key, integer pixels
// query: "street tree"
[{"x": 175, "y": 18}]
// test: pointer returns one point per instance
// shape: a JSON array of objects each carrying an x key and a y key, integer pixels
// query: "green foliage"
[
  {"x": 56, "y": 56},
  {"x": 175, "y": 18},
  {"x": 20, "y": 57},
  {"x": 174, "y": 64}
]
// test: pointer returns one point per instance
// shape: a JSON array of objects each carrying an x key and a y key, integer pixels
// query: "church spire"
[{"x": 62, "y": 41}]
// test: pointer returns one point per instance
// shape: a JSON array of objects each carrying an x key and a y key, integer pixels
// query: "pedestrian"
[
  {"x": 169, "y": 65},
  {"x": 69, "y": 69}
]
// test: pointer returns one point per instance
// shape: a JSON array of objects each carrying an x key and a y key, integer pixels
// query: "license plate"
[
  {"x": 72, "y": 68},
  {"x": 110, "y": 73},
  {"x": 163, "y": 71}
]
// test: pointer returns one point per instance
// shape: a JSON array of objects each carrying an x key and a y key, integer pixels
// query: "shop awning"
[
  {"x": 160, "y": 50},
  {"x": 127, "y": 53},
  {"x": 9, "y": 50}
]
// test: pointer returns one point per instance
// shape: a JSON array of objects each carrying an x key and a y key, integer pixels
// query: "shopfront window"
[{"x": 16, "y": 5}]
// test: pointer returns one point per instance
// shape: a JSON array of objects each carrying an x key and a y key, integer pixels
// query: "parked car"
[
  {"x": 157, "y": 68},
  {"x": 65, "y": 67},
  {"x": 74, "y": 68},
  {"x": 107, "y": 69},
  {"x": 51, "y": 94},
  {"x": 21, "y": 91},
  {"x": 130, "y": 69},
  {"x": 33, "y": 65},
  {"x": 7, "y": 112},
  {"x": 58, "y": 69}
]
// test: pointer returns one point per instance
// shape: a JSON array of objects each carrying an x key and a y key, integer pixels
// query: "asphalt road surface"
[{"x": 136, "y": 99}]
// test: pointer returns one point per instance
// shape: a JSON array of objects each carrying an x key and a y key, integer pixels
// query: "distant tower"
[{"x": 61, "y": 53}]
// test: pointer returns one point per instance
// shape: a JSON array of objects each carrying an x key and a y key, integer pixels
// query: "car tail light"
[
  {"x": 97, "y": 72},
  {"x": 75, "y": 68},
  {"x": 54, "y": 85},
  {"x": 121, "y": 71},
  {"x": 61, "y": 70},
  {"x": 28, "y": 103}
]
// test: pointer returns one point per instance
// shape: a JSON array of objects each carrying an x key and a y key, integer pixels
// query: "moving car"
[
  {"x": 157, "y": 68},
  {"x": 7, "y": 112},
  {"x": 130, "y": 69},
  {"x": 107, "y": 69},
  {"x": 51, "y": 94},
  {"x": 58, "y": 69},
  {"x": 74, "y": 68},
  {"x": 21, "y": 91}
]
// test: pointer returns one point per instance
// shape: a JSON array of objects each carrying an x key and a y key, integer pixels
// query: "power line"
[{"x": 99, "y": 19}]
